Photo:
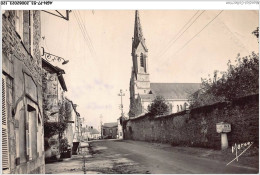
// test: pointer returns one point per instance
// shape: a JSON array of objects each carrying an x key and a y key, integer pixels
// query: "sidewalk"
[{"x": 249, "y": 159}]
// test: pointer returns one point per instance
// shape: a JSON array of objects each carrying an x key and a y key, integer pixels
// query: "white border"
[{"x": 145, "y": 5}]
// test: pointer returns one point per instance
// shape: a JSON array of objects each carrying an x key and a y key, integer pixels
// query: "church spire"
[{"x": 138, "y": 33}]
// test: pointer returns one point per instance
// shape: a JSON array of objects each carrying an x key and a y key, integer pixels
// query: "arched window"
[
  {"x": 178, "y": 108},
  {"x": 185, "y": 106},
  {"x": 142, "y": 60},
  {"x": 181, "y": 107},
  {"x": 170, "y": 108}
]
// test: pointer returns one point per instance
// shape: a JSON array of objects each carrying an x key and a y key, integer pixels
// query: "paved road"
[{"x": 147, "y": 159}]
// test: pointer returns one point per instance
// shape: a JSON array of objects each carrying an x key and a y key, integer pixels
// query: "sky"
[{"x": 100, "y": 63}]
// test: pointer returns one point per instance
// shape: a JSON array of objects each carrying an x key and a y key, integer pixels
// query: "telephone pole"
[
  {"x": 121, "y": 94},
  {"x": 101, "y": 126}
]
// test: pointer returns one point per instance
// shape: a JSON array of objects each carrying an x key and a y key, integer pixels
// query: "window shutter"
[{"x": 5, "y": 150}]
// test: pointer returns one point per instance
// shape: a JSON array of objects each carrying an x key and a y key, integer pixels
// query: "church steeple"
[
  {"x": 140, "y": 81},
  {"x": 138, "y": 33}
]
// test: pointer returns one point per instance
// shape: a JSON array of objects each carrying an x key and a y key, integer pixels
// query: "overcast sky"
[{"x": 95, "y": 76}]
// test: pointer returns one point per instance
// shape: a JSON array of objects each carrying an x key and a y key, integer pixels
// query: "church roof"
[
  {"x": 171, "y": 90},
  {"x": 94, "y": 131},
  {"x": 110, "y": 125}
]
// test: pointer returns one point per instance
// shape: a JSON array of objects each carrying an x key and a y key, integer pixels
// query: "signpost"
[{"x": 223, "y": 128}]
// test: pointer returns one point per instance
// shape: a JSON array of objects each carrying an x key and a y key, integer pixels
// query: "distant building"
[
  {"x": 110, "y": 130},
  {"x": 120, "y": 128},
  {"x": 90, "y": 133},
  {"x": 142, "y": 91},
  {"x": 22, "y": 111}
]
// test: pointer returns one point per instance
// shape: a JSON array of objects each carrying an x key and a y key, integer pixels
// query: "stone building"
[
  {"x": 109, "y": 130},
  {"x": 120, "y": 128},
  {"x": 90, "y": 133},
  {"x": 22, "y": 112},
  {"x": 142, "y": 91},
  {"x": 54, "y": 88},
  {"x": 73, "y": 132}
]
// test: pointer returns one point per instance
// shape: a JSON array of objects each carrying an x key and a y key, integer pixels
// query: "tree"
[
  {"x": 53, "y": 128},
  {"x": 158, "y": 107},
  {"x": 256, "y": 33},
  {"x": 241, "y": 79}
]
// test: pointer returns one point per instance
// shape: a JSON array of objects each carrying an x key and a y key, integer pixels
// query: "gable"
[{"x": 141, "y": 47}]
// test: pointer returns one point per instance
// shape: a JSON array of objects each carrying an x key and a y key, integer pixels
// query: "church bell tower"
[{"x": 140, "y": 82}]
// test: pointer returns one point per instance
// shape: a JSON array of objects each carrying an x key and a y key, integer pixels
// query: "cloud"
[
  {"x": 102, "y": 84},
  {"x": 95, "y": 106}
]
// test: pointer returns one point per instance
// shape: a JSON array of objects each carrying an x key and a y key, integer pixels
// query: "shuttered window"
[
  {"x": 5, "y": 150},
  {"x": 142, "y": 60}
]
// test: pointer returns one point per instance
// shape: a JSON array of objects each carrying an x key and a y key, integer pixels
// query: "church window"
[
  {"x": 170, "y": 108},
  {"x": 142, "y": 60},
  {"x": 185, "y": 106}
]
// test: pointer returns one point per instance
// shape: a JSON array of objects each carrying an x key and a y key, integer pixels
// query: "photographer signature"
[{"x": 238, "y": 147}]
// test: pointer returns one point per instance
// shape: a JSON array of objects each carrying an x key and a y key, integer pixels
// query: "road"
[
  {"x": 139, "y": 157},
  {"x": 135, "y": 157}
]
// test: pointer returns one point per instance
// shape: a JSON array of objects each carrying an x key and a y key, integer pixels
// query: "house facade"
[
  {"x": 54, "y": 87},
  {"x": 120, "y": 128},
  {"x": 110, "y": 130},
  {"x": 22, "y": 112},
  {"x": 73, "y": 132},
  {"x": 142, "y": 91}
]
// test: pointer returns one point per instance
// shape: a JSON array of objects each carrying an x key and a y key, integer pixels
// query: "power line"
[
  {"x": 85, "y": 29},
  {"x": 199, "y": 31},
  {"x": 169, "y": 43},
  {"x": 184, "y": 31},
  {"x": 80, "y": 27},
  {"x": 83, "y": 33}
]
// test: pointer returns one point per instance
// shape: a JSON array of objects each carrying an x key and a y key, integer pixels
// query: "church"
[{"x": 142, "y": 91}]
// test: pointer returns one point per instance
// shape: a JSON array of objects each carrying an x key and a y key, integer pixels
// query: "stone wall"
[
  {"x": 23, "y": 69},
  {"x": 51, "y": 103},
  {"x": 197, "y": 127}
]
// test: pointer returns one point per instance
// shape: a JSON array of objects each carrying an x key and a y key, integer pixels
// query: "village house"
[
  {"x": 90, "y": 133},
  {"x": 22, "y": 112},
  {"x": 53, "y": 86},
  {"x": 110, "y": 130},
  {"x": 142, "y": 91},
  {"x": 73, "y": 131},
  {"x": 120, "y": 127}
]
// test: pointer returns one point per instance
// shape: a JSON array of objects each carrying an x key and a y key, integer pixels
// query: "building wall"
[
  {"x": 175, "y": 105},
  {"x": 51, "y": 101},
  {"x": 22, "y": 73},
  {"x": 110, "y": 131},
  {"x": 120, "y": 129},
  {"x": 198, "y": 126}
]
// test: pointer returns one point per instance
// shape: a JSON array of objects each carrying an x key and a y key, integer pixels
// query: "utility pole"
[
  {"x": 121, "y": 94},
  {"x": 101, "y": 130}
]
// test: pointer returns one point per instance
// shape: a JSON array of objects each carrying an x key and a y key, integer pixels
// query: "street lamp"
[{"x": 50, "y": 57}]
